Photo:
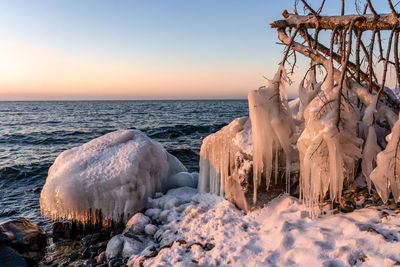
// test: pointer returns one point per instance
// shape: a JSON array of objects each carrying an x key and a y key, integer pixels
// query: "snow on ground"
[{"x": 204, "y": 229}]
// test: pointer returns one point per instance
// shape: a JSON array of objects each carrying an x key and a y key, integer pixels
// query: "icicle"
[
  {"x": 308, "y": 92},
  {"x": 386, "y": 174},
  {"x": 216, "y": 156},
  {"x": 272, "y": 127},
  {"x": 371, "y": 148},
  {"x": 327, "y": 153}
]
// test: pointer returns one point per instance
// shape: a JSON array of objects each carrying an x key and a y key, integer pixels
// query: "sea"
[{"x": 33, "y": 134}]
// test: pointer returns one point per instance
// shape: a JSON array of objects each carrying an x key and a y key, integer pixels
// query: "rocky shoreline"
[{"x": 142, "y": 238}]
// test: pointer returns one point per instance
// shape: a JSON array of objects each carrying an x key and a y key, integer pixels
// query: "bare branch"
[
  {"x": 386, "y": 63},
  {"x": 396, "y": 56},
  {"x": 365, "y": 22},
  {"x": 310, "y": 8},
  {"x": 342, "y": 8},
  {"x": 321, "y": 7},
  {"x": 344, "y": 70},
  {"x": 370, "y": 62},
  {"x": 392, "y": 9},
  {"x": 372, "y": 9}
]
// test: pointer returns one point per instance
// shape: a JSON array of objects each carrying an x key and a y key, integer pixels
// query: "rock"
[
  {"x": 164, "y": 216},
  {"x": 101, "y": 257},
  {"x": 109, "y": 177},
  {"x": 131, "y": 247},
  {"x": 136, "y": 224},
  {"x": 26, "y": 237},
  {"x": 73, "y": 256},
  {"x": 115, "y": 246},
  {"x": 158, "y": 194},
  {"x": 182, "y": 179},
  {"x": 347, "y": 204},
  {"x": 153, "y": 213},
  {"x": 122, "y": 246},
  {"x": 171, "y": 203},
  {"x": 150, "y": 229},
  {"x": 90, "y": 239},
  {"x": 10, "y": 258}
]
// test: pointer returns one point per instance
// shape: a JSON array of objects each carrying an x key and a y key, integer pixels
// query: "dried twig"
[
  {"x": 386, "y": 63},
  {"x": 392, "y": 9},
  {"x": 370, "y": 62},
  {"x": 344, "y": 70},
  {"x": 310, "y": 9},
  {"x": 372, "y": 9},
  {"x": 396, "y": 56}
]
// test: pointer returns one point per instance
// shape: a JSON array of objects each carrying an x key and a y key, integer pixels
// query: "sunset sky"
[{"x": 176, "y": 49}]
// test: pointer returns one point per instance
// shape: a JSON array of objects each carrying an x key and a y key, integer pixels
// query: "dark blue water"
[{"x": 32, "y": 134}]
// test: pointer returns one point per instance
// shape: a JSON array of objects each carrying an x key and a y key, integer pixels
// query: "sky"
[{"x": 153, "y": 49}]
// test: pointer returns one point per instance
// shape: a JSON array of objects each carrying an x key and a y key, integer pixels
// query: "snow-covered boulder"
[{"x": 111, "y": 176}]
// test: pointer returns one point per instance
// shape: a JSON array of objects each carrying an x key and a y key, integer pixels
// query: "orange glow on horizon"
[{"x": 31, "y": 71}]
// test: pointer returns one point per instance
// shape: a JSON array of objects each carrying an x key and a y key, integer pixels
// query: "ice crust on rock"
[
  {"x": 225, "y": 161},
  {"x": 182, "y": 179},
  {"x": 137, "y": 223},
  {"x": 114, "y": 173}
]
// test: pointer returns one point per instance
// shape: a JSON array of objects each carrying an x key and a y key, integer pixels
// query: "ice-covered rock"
[
  {"x": 125, "y": 247},
  {"x": 182, "y": 179},
  {"x": 225, "y": 162},
  {"x": 137, "y": 223},
  {"x": 153, "y": 213},
  {"x": 115, "y": 246},
  {"x": 109, "y": 177}
]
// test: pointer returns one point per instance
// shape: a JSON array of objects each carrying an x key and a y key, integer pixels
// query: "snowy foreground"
[{"x": 205, "y": 229}]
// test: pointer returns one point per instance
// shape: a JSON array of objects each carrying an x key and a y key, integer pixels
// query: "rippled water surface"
[{"x": 32, "y": 134}]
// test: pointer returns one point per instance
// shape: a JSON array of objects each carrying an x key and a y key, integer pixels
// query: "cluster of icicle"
[
  {"x": 328, "y": 150},
  {"x": 386, "y": 175},
  {"x": 217, "y": 156},
  {"x": 272, "y": 130}
]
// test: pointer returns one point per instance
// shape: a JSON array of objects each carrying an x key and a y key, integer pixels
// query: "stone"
[
  {"x": 150, "y": 229},
  {"x": 101, "y": 257},
  {"x": 73, "y": 256},
  {"x": 115, "y": 246},
  {"x": 153, "y": 213},
  {"x": 26, "y": 238},
  {"x": 10, "y": 258},
  {"x": 136, "y": 224}
]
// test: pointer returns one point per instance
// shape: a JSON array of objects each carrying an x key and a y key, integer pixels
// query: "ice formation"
[
  {"x": 329, "y": 147},
  {"x": 225, "y": 161},
  {"x": 113, "y": 174},
  {"x": 371, "y": 147},
  {"x": 308, "y": 89},
  {"x": 272, "y": 130},
  {"x": 386, "y": 175}
]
